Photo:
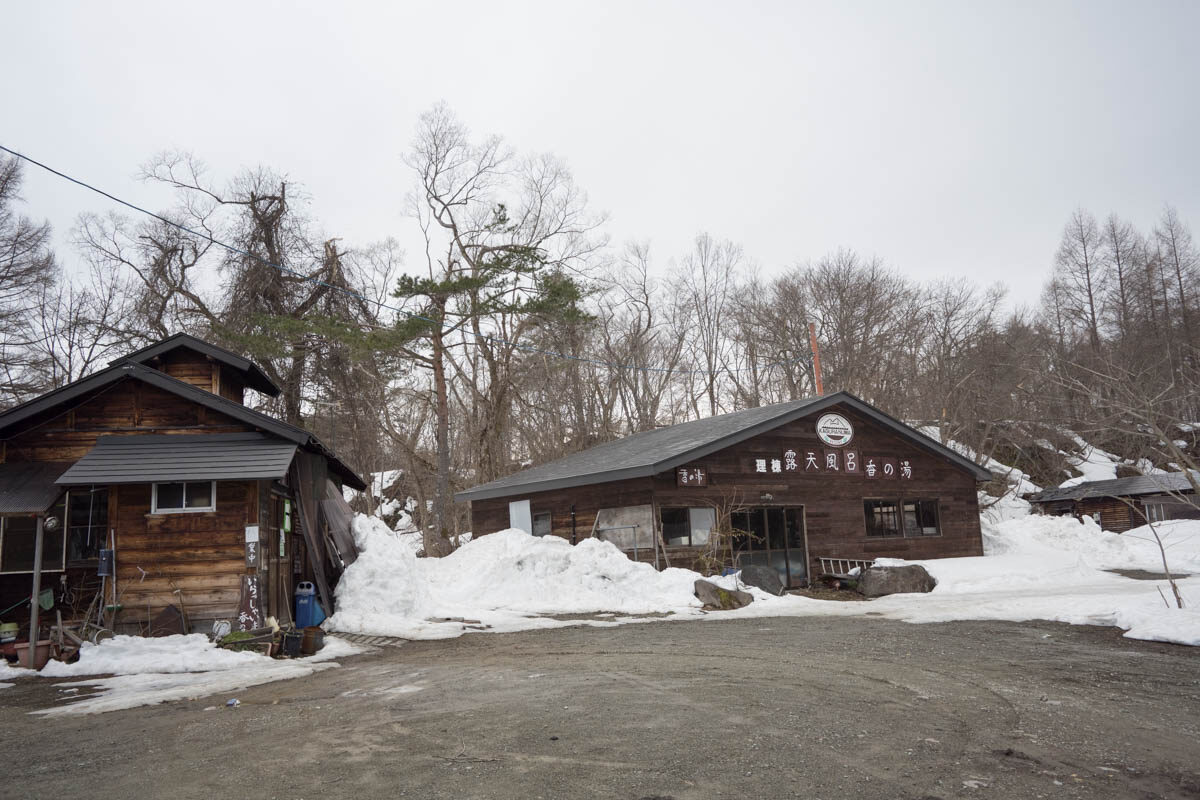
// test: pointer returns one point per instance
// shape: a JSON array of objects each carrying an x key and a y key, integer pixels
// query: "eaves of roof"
[{"x": 643, "y": 459}]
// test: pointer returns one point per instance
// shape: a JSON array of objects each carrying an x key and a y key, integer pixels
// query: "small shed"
[
  {"x": 160, "y": 487},
  {"x": 1124, "y": 503},
  {"x": 806, "y": 487}
]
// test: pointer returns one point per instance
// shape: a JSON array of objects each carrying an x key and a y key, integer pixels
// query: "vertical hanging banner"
[{"x": 249, "y": 605}]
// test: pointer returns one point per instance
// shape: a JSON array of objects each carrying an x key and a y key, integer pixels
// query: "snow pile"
[
  {"x": 1058, "y": 569},
  {"x": 131, "y": 655},
  {"x": 507, "y": 581},
  {"x": 1036, "y": 567},
  {"x": 155, "y": 670},
  {"x": 1053, "y": 537},
  {"x": 8, "y": 672}
]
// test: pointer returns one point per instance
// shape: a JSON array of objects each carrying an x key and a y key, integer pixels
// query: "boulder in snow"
[
  {"x": 763, "y": 578},
  {"x": 714, "y": 597},
  {"x": 879, "y": 581}
]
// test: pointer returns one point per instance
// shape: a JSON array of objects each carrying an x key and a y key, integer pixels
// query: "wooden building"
[
  {"x": 204, "y": 503},
  {"x": 784, "y": 486},
  {"x": 1124, "y": 503}
]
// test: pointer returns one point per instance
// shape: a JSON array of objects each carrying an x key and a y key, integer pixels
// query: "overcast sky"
[{"x": 949, "y": 138}]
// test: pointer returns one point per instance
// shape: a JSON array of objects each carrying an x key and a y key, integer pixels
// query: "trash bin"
[{"x": 308, "y": 610}]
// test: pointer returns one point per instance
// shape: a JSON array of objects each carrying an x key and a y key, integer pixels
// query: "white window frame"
[{"x": 212, "y": 506}]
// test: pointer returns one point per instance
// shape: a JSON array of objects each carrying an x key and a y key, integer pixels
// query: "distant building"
[
  {"x": 1124, "y": 503},
  {"x": 806, "y": 487}
]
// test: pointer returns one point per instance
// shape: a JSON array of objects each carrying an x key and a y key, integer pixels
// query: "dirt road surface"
[{"x": 779, "y": 708}]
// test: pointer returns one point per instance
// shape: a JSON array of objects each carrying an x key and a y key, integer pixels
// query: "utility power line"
[{"x": 351, "y": 293}]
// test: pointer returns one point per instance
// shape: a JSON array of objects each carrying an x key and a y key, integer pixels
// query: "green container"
[{"x": 8, "y": 631}]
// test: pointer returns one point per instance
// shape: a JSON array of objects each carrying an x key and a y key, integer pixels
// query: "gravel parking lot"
[{"x": 775, "y": 708}]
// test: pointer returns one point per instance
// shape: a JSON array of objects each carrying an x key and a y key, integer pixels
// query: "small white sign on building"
[{"x": 520, "y": 517}]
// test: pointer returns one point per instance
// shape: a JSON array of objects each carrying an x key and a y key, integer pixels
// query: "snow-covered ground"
[
  {"x": 147, "y": 671},
  {"x": 1036, "y": 568},
  {"x": 1048, "y": 568}
]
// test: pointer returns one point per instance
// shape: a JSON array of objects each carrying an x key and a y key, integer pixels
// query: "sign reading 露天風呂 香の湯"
[{"x": 834, "y": 430}]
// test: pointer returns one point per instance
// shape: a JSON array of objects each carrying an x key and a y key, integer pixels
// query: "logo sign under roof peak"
[{"x": 834, "y": 430}]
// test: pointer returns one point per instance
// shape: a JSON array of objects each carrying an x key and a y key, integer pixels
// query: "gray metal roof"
[
  {"x": 1120, "y": 487},
  {"x": 27, "y": 488},
  {"x": 193, "y": 457},
  {"x": 255, "y": 378},
  {"x": 652, "y": 452},
  {"x": 131, "y": 369}
]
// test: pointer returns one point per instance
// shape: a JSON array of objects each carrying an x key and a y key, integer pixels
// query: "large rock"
[
  {"x": 880, "y": 581},
  {"x": 763, "y": 578},
  {"x": 714, "y": 597}
]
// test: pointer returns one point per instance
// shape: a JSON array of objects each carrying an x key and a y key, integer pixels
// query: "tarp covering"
[
  {"x": 28, "y": 488},
  {"x": 309, "y": 473},
  {"x": 338, "y": 517},
  {"x": 162, "y": 458}
]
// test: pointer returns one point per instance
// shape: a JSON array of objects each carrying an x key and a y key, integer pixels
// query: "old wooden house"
[
  {"x": 1124, "y": 503},
  {"x": 812, "y": 486},
  {"x": 155, "y": 485}
]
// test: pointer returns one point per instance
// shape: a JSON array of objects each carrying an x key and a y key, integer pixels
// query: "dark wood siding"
[
  {"x": 128, "y": 407},
  {"x": 193, "y": 561},
  {"x": 833, "y": 503}
]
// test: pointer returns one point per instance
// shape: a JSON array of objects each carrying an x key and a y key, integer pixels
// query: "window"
[
  {"x": 18, "y": 541},
  {"x": 174, "y": 498},
  {"x": 1155, "y": 512},
  {"x": 542, "y": 524},
  {"x": 887, "y": 518},
  {"x": 87, "y": 523},
  {"x": 687, "y": 526},
  {"x": 883, "y": 521},
  {"x": 920, "y": 518}
]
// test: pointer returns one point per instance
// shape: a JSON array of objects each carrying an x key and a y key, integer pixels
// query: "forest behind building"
[{"x": 519, "y": 333}]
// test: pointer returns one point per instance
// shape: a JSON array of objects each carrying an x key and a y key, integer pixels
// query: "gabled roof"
[
  {"x": 182, "y": 457},
  {"x": 132, "y": 370},
  {"x": 254, "y": 377},
  {"x": 1120, "y": 487},
  {"x": 652, "y": 452}
]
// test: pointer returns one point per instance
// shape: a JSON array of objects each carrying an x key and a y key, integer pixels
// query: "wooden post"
[
  {"x": 37, "y": 589},
  {"x": 816, "y": 354}
]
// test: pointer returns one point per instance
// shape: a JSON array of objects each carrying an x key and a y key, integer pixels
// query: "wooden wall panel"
[
  {"x": 126, "y": 408},
  {"x": 187, "y": 366},
  {"x": 196, "y": 560},
  {"x": 489, "y": 516}
]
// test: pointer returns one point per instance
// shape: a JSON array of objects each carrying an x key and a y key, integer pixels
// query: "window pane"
[
  {"x": 19, "y": 535},
  {"x": 199, "y": 495},
  {"x": 20, "y": 542},
  {"x": 740, "y": 522},
  {"x": 883, "y": 518},
  {"x": 675, "y": 525},
  {"x": 920, "y": 518},
  {"x": 170, "y": 495},
  {"x": 758, "y": 530},
  {"x": 775, "y": 532},
  {"x": 541, "y": 525},
  {"x": 703, "y": 521},
  {"x": 795, "y": 530},
  {"x": 88, "y": 513}
]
